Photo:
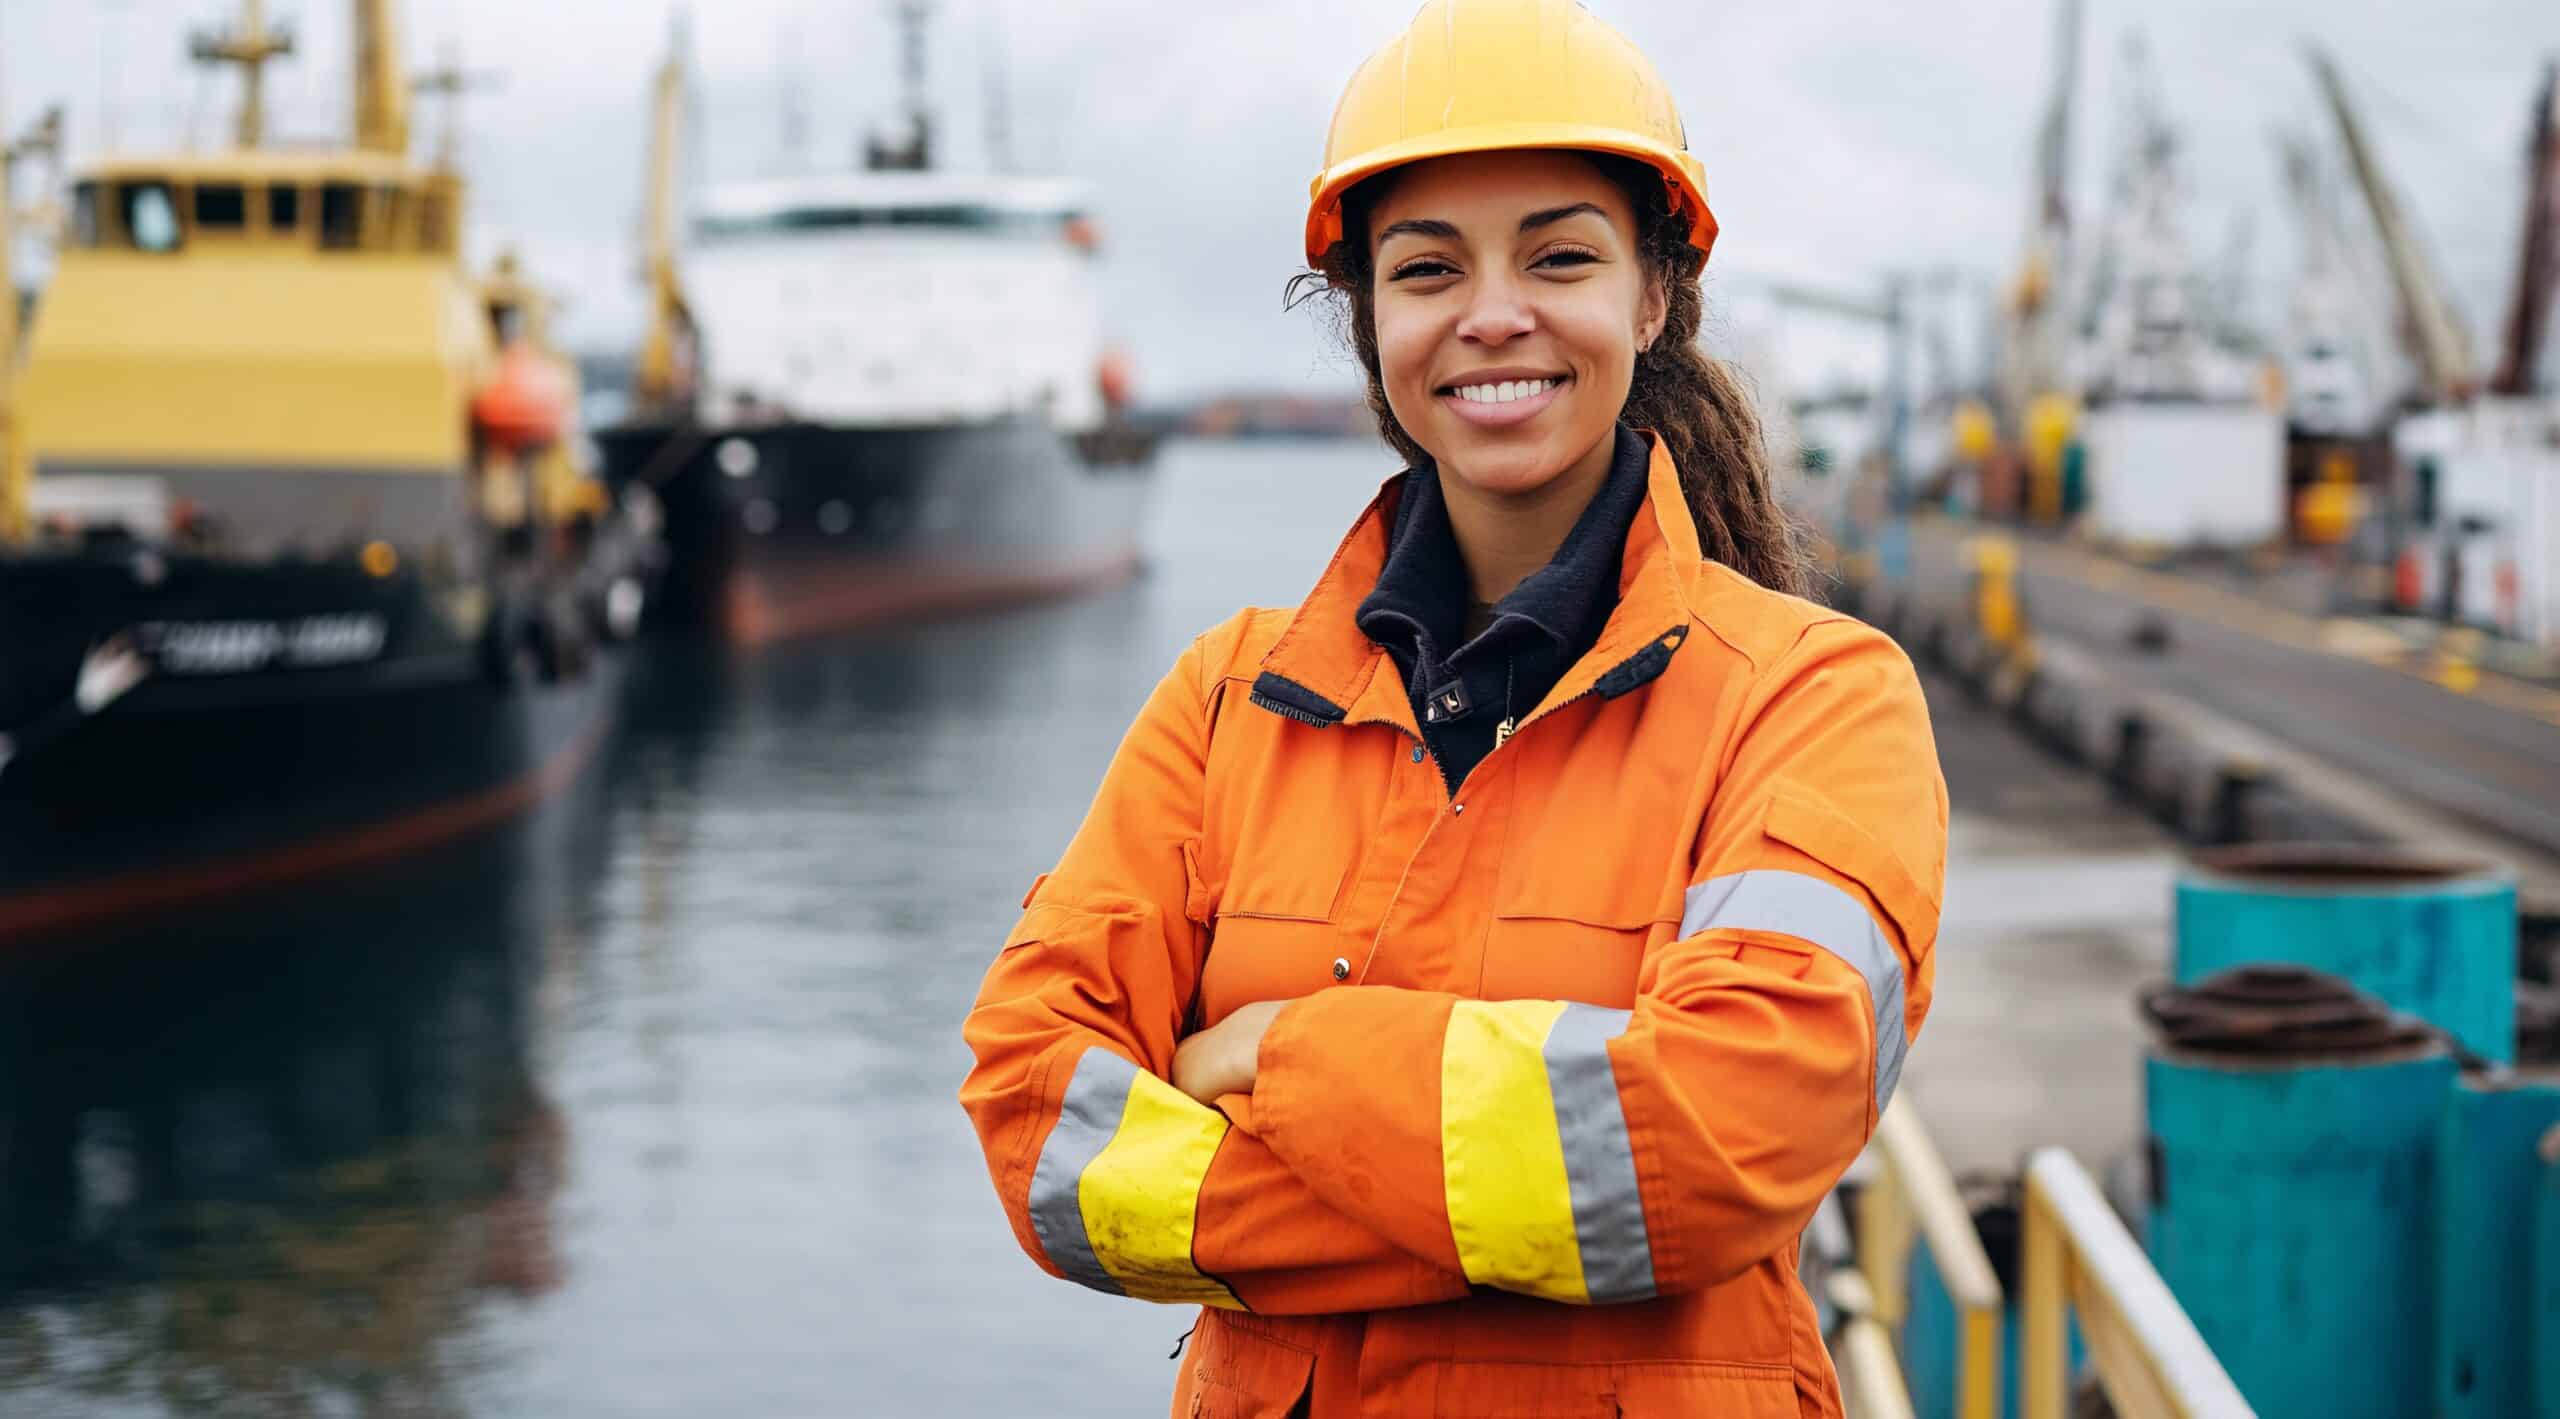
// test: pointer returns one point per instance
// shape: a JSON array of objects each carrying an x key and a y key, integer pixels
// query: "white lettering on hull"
[{"x": 238, "y": 647}]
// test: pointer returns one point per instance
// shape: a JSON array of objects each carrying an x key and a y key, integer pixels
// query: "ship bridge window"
[
  {"x": 435, "y": 222},
  {"x": 85, "y": 227},
  {"x": 341, "y": 216},
  {"x": 397, "y": 215},
  {"x": 150, "y": 214},
  {"x": 222, "y": 206},
  {"x": 284, "y": 208}
]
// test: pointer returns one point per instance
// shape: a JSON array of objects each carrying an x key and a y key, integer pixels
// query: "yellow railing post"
[
  {"x": 1914, "y": 1196},
  {"x": 2044, "y": 1381},
  {"x": 1884, "y": 1246},
  {"x": 1861, "y": 1344},
  {"x": 2079, "y": 1259}
]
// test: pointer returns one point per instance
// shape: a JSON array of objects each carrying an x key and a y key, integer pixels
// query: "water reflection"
[
  {"x": 645, "y": 1105},
  {"x": 268, "y": 1161}
]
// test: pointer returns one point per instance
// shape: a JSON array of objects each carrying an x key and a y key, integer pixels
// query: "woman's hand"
[{"x": 1224, "y": 1058}]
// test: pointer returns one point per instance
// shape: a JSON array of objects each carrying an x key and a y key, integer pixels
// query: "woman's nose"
[{"x": 1497, "y": 310}]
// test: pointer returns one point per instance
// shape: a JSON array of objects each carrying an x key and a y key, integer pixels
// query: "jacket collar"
[
  {"x": 1324, "y": 670},
  {"x": 1421, "y": 592}
]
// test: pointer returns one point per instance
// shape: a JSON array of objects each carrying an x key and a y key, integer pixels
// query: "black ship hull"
[
  {"x": 282, "y": 722},
  {"x": 785, "y": 529}
]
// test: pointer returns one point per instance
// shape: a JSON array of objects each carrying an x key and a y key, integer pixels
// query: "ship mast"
[
  {"x": 450, "y": 82},
  {"x": 659, "y": 380},
  {"x": 2034, "y": 361},
  {"x": 915, "y": 154},
  {"x": 382, "y": 88},
  {"x": 250, "y": 47},
  {"x": 2538, "y": 264},
  {"x": 2443, "y": 347},
  {"x": 42, "y": 140}
]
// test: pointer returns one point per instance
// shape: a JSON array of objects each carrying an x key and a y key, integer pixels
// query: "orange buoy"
[
  {"x": 1118, "y": 379},
  {"x": 525, "y": 404},
  {"x": 2408, "y": 580}
]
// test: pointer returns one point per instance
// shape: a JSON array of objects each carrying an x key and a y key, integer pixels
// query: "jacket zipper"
[
  {"x": 1264, "y": 701},
  {"x": 1448, "y": 789}
]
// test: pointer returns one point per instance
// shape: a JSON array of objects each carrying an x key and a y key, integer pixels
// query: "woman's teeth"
[{"x": 1504, "y": 392}]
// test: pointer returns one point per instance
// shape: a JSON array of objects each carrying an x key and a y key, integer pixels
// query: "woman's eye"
[
  {"x": 1568, "y": 258},
  {"x": 1420, "y": 269}
]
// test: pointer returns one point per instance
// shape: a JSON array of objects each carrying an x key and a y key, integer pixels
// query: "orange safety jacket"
[{"x": 1573, "y": 1053}]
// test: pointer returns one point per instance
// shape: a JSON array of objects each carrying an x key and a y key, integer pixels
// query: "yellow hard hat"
[{"x": 1473, "y": 76}]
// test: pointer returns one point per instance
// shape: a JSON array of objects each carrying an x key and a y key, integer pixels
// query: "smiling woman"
[{"x": 1468, "y": 982}]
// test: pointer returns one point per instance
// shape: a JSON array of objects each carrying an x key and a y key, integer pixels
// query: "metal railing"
[
  {"x": 2079, "y": 1259},
  {"x": 1862, "y": 1349},
  {"x": 1912, "y": 1198}
]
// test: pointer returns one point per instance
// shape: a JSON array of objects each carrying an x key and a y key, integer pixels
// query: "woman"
[{"x": 1469, "y": 981}]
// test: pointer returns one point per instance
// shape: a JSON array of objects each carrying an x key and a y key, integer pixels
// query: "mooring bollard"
[
  {"x": 2293, "y": 1123},
  {"x": 2433, "y": 936}
]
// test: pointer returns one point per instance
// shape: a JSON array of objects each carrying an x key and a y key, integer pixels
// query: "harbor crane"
[
  {"x": 2432, "y": 326},
  {"x": 2538, "y": 263},
  {"x": 664, "y": 380}
]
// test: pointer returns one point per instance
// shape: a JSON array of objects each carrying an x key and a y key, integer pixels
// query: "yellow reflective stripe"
[
  {"x": 1502, "y": 1160},
  {"x": 1140, "y": 1193}
]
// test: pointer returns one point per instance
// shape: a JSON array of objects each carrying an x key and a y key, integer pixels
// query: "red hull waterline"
[
  {"x": 759, "y": 608},
  {"x": 129, "y": 896}
]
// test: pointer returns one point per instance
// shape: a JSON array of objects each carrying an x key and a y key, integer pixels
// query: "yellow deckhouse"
[{"x": 258, "y": 349}]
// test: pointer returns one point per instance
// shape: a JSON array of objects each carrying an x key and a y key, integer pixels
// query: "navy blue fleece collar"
[{"x": 1421, "y": 595}]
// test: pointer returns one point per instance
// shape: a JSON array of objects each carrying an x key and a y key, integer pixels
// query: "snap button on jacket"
[{"x": 1565, "y": 1074}]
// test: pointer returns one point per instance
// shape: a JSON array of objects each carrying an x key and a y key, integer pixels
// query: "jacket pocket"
[
  {"x": 1242, "y": 1375},
  {"x": 1563, "y": 957},
  {"x": 1677, "y": 1390},
  {"x": 1822, "y": 832},
  {"x": 1269, "y": 958}
]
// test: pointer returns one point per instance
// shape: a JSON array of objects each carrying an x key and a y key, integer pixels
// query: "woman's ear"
[{"x": 1651, "y": 313}]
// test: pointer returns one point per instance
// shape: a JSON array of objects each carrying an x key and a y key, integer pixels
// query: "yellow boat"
[{"x": 298, "y": 563}]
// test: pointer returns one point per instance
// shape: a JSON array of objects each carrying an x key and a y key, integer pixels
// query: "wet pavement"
[{"x": 645, "y": 1104}]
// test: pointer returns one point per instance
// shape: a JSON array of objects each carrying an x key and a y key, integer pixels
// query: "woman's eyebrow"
[
  {"x": 1552, "y": 215},
  {"x": 1448, "y": 231},
  {"x": 1420, "y": 226}
]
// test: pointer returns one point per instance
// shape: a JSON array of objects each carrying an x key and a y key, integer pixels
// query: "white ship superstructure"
[{"x": 898, "y": 299}]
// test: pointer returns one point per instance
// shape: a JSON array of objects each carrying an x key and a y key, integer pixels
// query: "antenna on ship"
[
  {"x": 915, "y": 154},
  {"x": 999, "y": 96},
  {"x": 793, "y": 96},
  {"x": 450, "y": 81},
  {"x": 250, "y": 46}
]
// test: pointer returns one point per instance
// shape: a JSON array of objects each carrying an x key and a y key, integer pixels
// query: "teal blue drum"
[
  {"x": 2544, "y": 1324},
  {"x": 2430, "y": 936},
  {"x": 2488, "y": 1177},
  {"x": 2293, "y": 1126}
]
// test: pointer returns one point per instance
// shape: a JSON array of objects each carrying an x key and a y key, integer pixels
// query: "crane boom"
[
  {"x": 661, "y": 379},
  {"x": 2538, "y": 264},
  {"x": 2442, "y": 346}
]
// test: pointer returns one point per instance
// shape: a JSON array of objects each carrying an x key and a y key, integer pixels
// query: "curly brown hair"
[{"x": 1699, "y": 405}]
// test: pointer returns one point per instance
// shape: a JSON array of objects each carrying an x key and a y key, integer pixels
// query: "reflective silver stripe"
[
  {"x": 1599, "y": 1163},
  {"x": 1816, "y": 912},
  {"x": 1090, "y": 1115}
]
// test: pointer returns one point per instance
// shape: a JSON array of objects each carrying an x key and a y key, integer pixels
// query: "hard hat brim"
[{"x": 1681, "y": 172}]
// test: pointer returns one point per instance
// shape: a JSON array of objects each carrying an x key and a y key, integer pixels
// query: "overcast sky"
[{"x": 1840, "y": 137}]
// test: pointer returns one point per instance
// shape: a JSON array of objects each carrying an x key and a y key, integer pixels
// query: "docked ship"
[
  {"x": 298, "y": 563},
  {"x": 876, "y": 392}
]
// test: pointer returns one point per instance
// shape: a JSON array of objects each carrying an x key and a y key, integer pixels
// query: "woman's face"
[{"x": 1510, "y": 300}]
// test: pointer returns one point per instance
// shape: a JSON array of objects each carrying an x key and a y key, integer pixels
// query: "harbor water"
[{"x": 645, "y": 1105}]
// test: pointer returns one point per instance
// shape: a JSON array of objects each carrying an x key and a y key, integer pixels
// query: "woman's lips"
[{"x": 1503, "y": 416}]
